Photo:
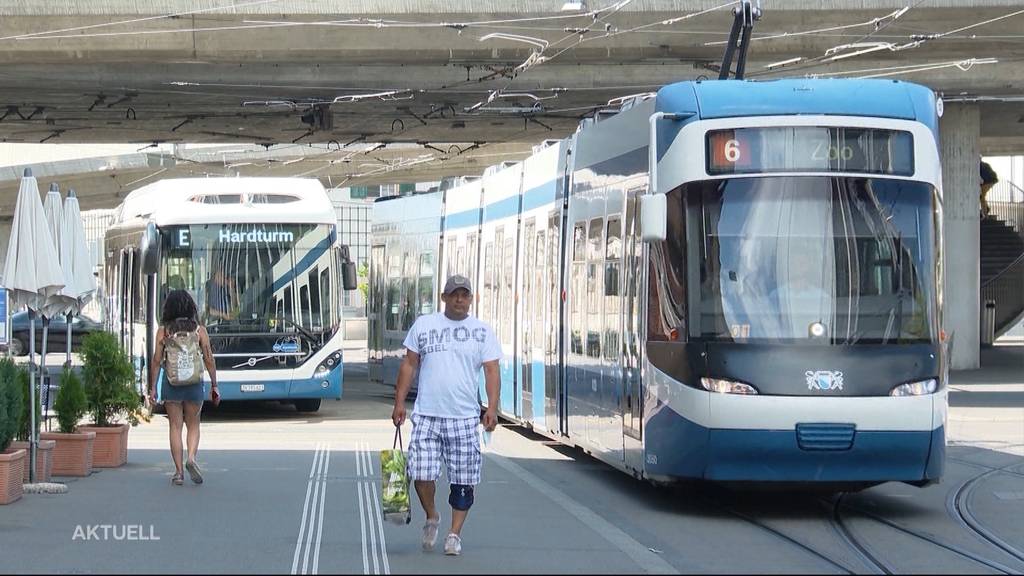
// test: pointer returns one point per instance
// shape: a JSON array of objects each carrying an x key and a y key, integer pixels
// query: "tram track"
[
  {"x": 959, "y": 507},
  {"x": 860, "y": 549},
  {"x": 783, "y": 536},
  {"x": 838, "y": 505}
]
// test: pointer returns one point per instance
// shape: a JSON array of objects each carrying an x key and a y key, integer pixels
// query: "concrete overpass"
[{"x": 410, "y": 78}]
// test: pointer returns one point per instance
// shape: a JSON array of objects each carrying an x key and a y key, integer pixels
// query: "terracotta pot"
[
  {"x": 111, "y": 447},
  {"x": 72, "y": 455},
  {"x": 44, "y": 459},
  {"x": 12, "y": 462}
]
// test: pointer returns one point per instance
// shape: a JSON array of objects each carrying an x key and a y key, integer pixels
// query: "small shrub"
[
  {"x": 71, "y": 403},
  {"x": 24, "y": 422},
  {"x": 10, "y": 402},
  {"x": 109, "y": 375}
]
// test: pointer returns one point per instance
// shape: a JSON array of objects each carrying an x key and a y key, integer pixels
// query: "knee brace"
[{"x": 461, "y": 497}]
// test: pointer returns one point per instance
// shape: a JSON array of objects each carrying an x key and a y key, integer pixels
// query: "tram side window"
[
  {"x": 425, "y": 289},
  {"x": 577, "y": 282},
  {"x": 394, "y": 294},
  {"x": 487, "y": 294},
  {"x": 507, "y": 319},
  {"x": 471, "y": 255},
  {"x": 529, "y": 276},
  {"x": 613, "y": 257},
  {"x": 538, "y": 278},
  {"x": 409, "y": 286},
  {"x": 594, "y": 261},
  {"x": 451, "y": 262}
]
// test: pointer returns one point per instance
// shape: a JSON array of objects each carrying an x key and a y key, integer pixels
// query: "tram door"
[
  {"x": 553, "y": 390},
  {"x": 375, "y": 314},
  {"x": 632, "y": 400},
  {"x": 529, "y": 311}
]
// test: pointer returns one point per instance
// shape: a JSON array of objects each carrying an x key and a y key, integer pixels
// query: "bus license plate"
[{"x": 252, "y": 387}]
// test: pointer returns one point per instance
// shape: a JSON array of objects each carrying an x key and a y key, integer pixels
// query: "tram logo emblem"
[{"x": 824, "y": 380}]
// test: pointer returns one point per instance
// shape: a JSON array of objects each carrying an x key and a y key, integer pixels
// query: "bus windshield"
[
  {"x": 255, "y": 278},
  {"x": 822, "y": 260}
]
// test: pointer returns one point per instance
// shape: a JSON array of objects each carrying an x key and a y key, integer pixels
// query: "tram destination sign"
[{"x": 810, "y": 149}]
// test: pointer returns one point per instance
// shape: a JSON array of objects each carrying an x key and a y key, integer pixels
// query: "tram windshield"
[
  {"x": 825, "y": 260},
  {"x": 255, "y": 278}
]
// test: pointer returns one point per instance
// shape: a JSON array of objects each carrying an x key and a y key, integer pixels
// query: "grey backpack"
[{"x": 183, "y": 358}]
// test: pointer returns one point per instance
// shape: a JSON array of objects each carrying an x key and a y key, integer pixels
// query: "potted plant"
[
  {"x": 72, "y": 453},
  {"x": 44, "y": 448},
  {"x": 12, "y": 462},
  {"x": 113, "y": 401}
]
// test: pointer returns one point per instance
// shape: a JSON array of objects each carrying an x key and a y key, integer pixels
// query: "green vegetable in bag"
[{"x": 394, "y": 487}]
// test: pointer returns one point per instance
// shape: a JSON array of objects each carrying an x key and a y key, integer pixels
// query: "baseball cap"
[{"x": 455, "y": 282}]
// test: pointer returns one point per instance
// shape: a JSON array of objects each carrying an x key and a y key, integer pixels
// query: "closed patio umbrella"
[
  {"x": 76, "y": 261},
  {"x": 61, "y": 302},
  {"x": 31, "y": 274}
]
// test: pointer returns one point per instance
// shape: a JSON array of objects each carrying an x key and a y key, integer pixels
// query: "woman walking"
[{"x": 178, "y": 321}]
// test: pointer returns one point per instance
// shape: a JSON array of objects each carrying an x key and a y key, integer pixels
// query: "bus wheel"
[{"x": 307, "y": 405}]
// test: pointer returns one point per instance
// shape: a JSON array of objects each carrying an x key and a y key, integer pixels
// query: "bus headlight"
[
  {"x": 727, "y": 386},
  {"x": 921, "y": 388},
  {"x": 328, "y": 364}
]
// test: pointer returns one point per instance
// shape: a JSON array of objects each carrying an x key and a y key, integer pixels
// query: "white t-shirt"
[{"x": 451, "y": 356}]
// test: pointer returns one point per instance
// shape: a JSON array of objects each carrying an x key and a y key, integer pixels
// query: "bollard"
[{"x": 988, "y": 323}]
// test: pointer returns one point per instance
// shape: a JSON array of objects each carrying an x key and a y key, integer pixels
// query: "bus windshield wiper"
[{"x": 309, "y": 335}]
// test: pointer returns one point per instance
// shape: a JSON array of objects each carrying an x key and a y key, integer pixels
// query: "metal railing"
[
  {"x": 1007, "y": 287},
  {"x": 1007, "y": 290},
  {"x": 1010, "y": 212}
]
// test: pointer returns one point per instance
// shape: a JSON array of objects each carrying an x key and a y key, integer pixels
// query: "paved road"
[{"x": 293, "y": 493}]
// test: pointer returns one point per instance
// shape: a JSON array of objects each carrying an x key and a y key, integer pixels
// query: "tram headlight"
[
  {"x": 921, "y": 388},
  {"x": 328, "y": 364},
  {"x": 727, "y": 386}
]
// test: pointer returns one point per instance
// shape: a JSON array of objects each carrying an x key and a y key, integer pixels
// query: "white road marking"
[
  {"x": 311, "y": 532},
  {"x": 370, "y": 513},
  {"x": 305, "y": 511}
]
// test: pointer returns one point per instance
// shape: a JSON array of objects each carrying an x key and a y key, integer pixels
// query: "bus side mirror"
[
  {"x": 150, "y": 249},
  {"x": 653, "y": 217},
  {"x": 348, "y": 275}
]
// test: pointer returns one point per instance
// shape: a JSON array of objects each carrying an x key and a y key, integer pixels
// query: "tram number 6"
[
  {"x": 829, "y": 152},
  {"x": 732, "y": 150}
]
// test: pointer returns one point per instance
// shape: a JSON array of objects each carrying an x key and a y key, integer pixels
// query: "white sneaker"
[
  {"x": 453, "y": 545},
  {"x": 430, "y": 533}
]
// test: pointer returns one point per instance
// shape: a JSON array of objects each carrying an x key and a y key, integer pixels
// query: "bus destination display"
[{"x": 810, "y": 149}]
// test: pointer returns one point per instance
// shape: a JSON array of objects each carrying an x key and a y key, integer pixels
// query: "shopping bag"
[{"x": 395, "y": 483}]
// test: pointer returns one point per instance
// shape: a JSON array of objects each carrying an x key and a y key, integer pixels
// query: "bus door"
[{"x": 375, "y": 314}]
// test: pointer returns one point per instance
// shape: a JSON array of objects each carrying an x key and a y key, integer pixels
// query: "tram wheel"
[{"x": 307, "y": 404}]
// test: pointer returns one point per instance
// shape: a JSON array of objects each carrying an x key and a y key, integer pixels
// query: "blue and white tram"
[
  {"x": 727, "y": 280},
  {"x": 262, "y": 260}
]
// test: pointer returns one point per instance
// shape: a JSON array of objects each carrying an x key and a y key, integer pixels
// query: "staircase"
[{"x": 1002, "y": 263}]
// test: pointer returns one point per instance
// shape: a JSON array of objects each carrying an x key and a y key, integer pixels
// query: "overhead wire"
[{"x": 46, "y": 33}]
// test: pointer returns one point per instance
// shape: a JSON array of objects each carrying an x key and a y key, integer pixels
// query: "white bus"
[{"x": 262, "y": 260}]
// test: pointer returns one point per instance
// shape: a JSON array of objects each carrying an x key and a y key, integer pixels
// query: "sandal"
[
  {"x": 178, "y": 479},
  {"x": 193, "y": 472}
]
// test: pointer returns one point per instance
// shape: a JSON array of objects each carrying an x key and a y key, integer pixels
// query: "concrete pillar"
[{"x": 959, "y": 130}]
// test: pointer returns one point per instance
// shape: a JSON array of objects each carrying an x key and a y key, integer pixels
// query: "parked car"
[{"x": 56, "y": 340}]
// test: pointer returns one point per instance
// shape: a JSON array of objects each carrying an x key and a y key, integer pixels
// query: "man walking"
[{"x": 449, "y": 349}]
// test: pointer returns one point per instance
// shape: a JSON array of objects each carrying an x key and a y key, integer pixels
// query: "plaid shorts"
[{"x": 453, "y": 440}]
